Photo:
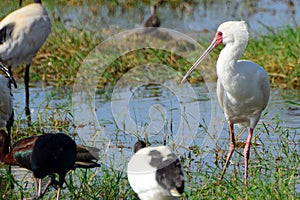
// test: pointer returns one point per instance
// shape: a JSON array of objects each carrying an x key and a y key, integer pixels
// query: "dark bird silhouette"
[
  {"x": 155, "y": 173},
  {"x": 45, "y": 155},
  {"x": 153, "y": 20},
  {"x": 22, "y": 33}
]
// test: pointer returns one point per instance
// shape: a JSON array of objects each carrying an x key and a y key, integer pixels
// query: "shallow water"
[
  {"x": 186, "y": 115},
  {"x": 193, "y": 19},
  {"x": 123, "y": 114}
]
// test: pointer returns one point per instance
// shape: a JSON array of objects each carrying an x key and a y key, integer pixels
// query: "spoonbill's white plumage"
[
  {"x": 155, "y": 173},
  {"x": 6, "y": 100},
  {"x": 243, "y": 87},
  {"x": 22, "y": 33}
]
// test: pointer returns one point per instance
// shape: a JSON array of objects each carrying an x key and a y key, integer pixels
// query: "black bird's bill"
[{"x": 8, "y": 74}]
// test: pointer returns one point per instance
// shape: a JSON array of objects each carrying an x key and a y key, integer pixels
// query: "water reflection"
[{"x": 157, "y": 104}]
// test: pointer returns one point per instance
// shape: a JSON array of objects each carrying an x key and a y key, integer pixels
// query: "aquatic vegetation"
[{"x": 66, "y": 48}]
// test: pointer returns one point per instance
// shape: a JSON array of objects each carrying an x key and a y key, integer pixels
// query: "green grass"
[
  {"x": 273, "y": 174},
  {"x": 278, "y": 52},
  {"x": 58, "y": 65},
  {"x": 64, "y": 61}
]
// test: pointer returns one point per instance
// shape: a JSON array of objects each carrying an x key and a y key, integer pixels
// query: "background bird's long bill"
[
  {"x": 7, "y": 73},
  {"x": 207, "y": 51}
]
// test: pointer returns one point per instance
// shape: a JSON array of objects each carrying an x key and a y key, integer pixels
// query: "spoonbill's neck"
[{"x": 229, "y": 56}]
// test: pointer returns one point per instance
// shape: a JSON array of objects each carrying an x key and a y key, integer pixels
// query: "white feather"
[
  {"x": 141, "y": 175},
  {"x": 32, "y": 27},
  {"x": 243, "y": 86}
]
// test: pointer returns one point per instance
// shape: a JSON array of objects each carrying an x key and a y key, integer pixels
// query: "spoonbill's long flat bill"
[{"x": 243, "y": 87}]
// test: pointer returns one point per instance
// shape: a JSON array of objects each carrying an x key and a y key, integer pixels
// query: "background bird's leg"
[
  {"x": 247, "y": 153},
  {"x": 26, "y": 82},
  {"x": 50, "y": 182},
  {"x": 36, "y": 186},
  {"x": 61, "y": 182},
  {"x": 40, "y": 187},
  {"x": 9, "y": 124},
  {"x": 231, "y": 149},
  {"x": 46, "y": 187},
  {"x": 54, "y": 182},
  {"x": 58, "y": 193}
]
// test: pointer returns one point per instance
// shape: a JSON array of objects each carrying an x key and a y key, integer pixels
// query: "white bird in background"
[
  {"x": 22, "y": 33},
  {"x": 6, "y": 100},
  {"x": 155, "y": 173},
  {"x": 243, "y": 87}
]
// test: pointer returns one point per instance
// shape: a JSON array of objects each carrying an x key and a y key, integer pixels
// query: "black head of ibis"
[{"x": 139, "y": 145}]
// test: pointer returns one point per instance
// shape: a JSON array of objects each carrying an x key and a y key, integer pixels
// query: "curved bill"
[
  {"x": 207, "y": 51},
  {"x": 8, "y": 74}
]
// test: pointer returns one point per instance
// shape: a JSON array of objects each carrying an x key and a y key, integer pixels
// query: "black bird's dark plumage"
[
  {"x": 46, "y": 155},
  {"x": 169, "y": 174},
  {"x": 86, "y": 157},
  {"x": 139, "y": 145},
  {"x": 53, "y": 153}
]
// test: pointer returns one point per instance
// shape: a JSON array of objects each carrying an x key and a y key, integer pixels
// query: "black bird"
[{"x": 45, "y": 155}]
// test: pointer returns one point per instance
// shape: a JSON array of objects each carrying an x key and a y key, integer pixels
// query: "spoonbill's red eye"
[{"x": 220, "y": 33}]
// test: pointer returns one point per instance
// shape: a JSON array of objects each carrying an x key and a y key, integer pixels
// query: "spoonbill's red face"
[
  {"x": 218, "y": 38},
  {"x": 227, "y": 33}
]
